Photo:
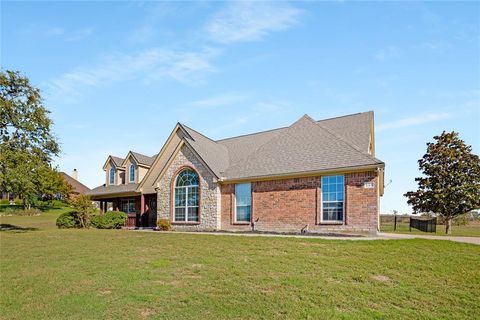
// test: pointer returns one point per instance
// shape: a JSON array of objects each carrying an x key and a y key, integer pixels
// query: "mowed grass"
[{"x": 109, "y": 274}]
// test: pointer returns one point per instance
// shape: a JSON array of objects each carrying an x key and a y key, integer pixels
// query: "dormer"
[
  {"x": 136, "y": 166},
  {"x": 114, "y": 171}
]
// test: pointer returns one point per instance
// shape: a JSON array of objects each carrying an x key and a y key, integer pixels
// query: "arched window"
[
  {"x": 186, "y": 196},
  {"x": 112, "y": 176},
  {"x": 132, "y": 173}
]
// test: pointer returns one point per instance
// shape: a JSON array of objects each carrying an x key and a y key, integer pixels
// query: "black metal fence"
[{"x": 425, "y": 225}]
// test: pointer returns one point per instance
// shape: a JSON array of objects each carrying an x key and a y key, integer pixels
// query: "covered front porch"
[{"x": 141, "y": 209}]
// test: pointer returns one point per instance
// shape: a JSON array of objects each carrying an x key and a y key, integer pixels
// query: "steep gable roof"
[
  {"x": 305, "y": 146},
  {"x": 117, "y": 161},
  {"x": 354, "y": 128},
  {"x": 212, "y": 153},
  {"x": 140, "y": 158}
]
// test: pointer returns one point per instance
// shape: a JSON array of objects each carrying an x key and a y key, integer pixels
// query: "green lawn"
[
  {"x": 471, "y": 230},
  {"x": 111, "y": 274}
]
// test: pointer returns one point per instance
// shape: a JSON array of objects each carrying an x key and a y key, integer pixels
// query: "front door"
[{"x": 149, "y": 216}]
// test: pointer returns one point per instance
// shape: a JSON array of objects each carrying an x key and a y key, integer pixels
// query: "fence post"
[
  {"x": 410, "y": 224},
  {"x": 395, "y": 223}
]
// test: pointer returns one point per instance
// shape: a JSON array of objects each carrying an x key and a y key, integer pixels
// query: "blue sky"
[{"x": 117, "y": 76}]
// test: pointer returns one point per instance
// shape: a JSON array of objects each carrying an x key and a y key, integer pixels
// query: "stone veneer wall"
[
  {"x": 288, "y": 205},
  {"x": 209, "y": 193}
]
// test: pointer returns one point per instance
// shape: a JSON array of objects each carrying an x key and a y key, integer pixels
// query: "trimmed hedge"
[
  {"x": 68, "y": 220},
  {"x": 109, "y": 220}
]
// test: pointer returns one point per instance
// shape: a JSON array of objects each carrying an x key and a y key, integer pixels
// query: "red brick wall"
[
  {"x": 292, "y": 204},
  {"x": 361, "y": 203}
]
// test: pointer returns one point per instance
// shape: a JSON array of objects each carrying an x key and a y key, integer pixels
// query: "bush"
[
  {"x": 4, "y": 201},
  {"x": 163, "y": 225},
  {"x": 68, "y": 220},
  {"x": 109, "y": 220}
]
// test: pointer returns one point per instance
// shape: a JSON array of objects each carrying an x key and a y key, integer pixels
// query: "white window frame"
[
  {"x": 175, "y": 187},
  {"x": 130, "y": 173},
  {"x": 235, "y": 204},
  {"x": 110, "y": 175},
  {"x": 321, "y": 202}
]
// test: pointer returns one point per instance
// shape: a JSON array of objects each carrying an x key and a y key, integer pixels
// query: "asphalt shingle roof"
[
  {"x": 104, "y": 190},
  {"x": 306, "y": 145},
  {"x": 143, "y": 159},
  {"x": 76, "y": 185},
  {"x": 117, "y": 161}
]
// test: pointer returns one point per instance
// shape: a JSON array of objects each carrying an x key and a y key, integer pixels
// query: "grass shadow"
[{"x": 14, "y": 228}]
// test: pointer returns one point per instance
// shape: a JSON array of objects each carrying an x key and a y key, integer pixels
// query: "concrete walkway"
[
  {"x": 379, "y": 236},
  {"x": 473, "y": 240}
]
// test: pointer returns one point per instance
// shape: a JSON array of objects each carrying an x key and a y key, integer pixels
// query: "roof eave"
[{"x": 291, "y": 175}]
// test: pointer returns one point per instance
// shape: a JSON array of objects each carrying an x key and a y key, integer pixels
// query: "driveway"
[
  {"x": 379, "y": 236},
  {"x": 473, "y": 240}
]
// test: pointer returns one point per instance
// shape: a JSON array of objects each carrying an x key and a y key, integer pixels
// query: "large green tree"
[
  {"x": 450, "y": 185},
  {"x": 27, "y": 144}
]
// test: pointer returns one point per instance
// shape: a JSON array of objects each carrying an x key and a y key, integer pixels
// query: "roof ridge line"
[
  {"x": 345, "y": 141},
  {"x": 184, "y": 125},
  {"x": 251, "y": 134},
  {"x": 279, "y": 128},
  {"x": 344, "y": 116}
]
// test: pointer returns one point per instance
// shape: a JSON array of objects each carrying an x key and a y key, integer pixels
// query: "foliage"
[
  {"x": 84, "y": 207},
  {"x": 25, "y": 124},
  {"x": 27, "y": 144},
  {"x": 163, "y": 224},
  {"x": 4, "y": 201},
  {"x": 109, "y": 220},
  {"x": 451, "y": 182},
  {"x": 69, "y": 220}
]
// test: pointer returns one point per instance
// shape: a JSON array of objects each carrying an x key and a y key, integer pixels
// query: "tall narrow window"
[
  {"x": 186, "y": 196},
  {"x": 333, "y": 190},
  {"x": 243, "y": 198},
  {"x": 132, "y": 173},
  {"x": 112, "y": 176}
]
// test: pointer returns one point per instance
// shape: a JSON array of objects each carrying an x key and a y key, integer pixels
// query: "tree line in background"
[{"x": 27, "y": 144}]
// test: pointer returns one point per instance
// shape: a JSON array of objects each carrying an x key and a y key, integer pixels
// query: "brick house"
[{"x": 313, "y": 176}]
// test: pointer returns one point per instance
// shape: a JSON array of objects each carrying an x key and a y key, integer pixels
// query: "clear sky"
[{"x": 117, "y": 76}]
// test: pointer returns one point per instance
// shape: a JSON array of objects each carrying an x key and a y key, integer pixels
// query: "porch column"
[
  {"x": 142, "y": 203},
  {"x": 101, "y": 206}
]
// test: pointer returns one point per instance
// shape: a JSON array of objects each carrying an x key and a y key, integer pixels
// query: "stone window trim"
[
  {"x": 319, "y": 200},
  {"x": 234, "y": 208},
  {"x": 172, "y": 197}
]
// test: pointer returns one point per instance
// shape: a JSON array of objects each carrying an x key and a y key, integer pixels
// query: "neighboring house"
[
  {"x": 313, "y": 175},
  {"x": 76, "y": 186}
]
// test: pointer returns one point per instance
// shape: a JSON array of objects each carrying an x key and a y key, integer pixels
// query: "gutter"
[{"x": 301, "y": 174}]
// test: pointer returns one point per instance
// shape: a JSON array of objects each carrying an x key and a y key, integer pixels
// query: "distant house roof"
[{"x": 77, "y": 186}]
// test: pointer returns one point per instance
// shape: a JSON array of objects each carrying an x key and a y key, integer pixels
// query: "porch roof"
[{"x": 104, "y": 191}]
